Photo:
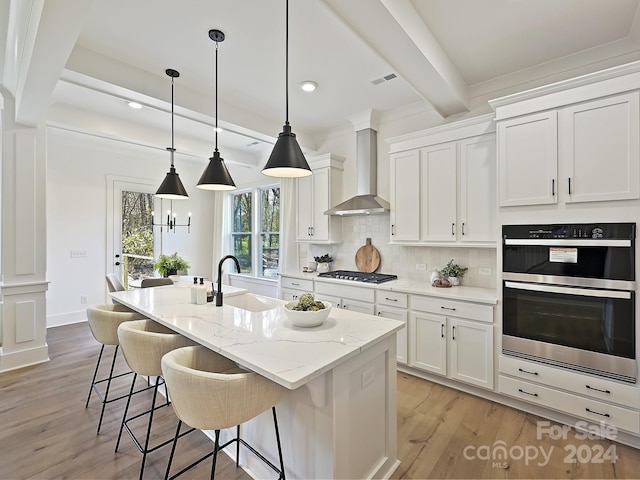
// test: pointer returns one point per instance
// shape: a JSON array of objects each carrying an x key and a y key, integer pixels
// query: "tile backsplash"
[{"x": 399, "y": 259}]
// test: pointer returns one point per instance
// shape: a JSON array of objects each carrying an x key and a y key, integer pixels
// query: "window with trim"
[{"x": 255, "y": 232}]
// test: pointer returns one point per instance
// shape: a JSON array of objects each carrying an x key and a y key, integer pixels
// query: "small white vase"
[
  {"x": 323, "y": 267},
  {"x": 454, "y": 281}
]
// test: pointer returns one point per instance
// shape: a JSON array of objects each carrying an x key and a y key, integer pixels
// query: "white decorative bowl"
[{"x": 306, "y": 319}]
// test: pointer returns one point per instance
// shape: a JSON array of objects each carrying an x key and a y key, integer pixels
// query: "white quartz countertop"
[
  {"x": 469, "y": 294},
  {"x": 264, "y": 342}
]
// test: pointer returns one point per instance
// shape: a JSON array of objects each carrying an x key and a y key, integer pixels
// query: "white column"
[{"x": 23, "y": 283}]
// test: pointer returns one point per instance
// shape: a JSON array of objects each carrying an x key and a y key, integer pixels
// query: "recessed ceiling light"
[
  {"x": 135, "y": 105},
  {"x": 308, "y": 86}
]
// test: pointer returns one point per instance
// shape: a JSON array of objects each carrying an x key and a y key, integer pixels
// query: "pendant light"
[
  {"x": 172, "y": 188},
  {"x": 287, "y": 159},
  {"x": 216, "y": 176}
]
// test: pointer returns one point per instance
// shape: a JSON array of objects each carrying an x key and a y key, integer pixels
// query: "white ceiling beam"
[
  {"x": 50, "y": 32},
  {"x": 409, "y": 47}
]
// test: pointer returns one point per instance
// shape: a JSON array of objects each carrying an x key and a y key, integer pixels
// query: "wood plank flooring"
[{"x": 46, "y": 432}]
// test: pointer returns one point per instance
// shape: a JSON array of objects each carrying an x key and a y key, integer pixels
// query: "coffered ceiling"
[{"x": 392, "y": 56}]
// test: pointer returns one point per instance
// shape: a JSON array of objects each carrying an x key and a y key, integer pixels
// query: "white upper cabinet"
[
  {"x": 316, "y": 194},
  {"x": 528, "y": 159},
  {"x": 571, "y": 142},
  {"x": 405, "y": 196},
  {"x": 599, "y": 143},
  {"x": 443, "y": 185},
  {"x": 478, "y": 202}
]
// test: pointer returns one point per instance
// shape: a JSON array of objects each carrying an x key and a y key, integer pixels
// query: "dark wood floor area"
[{"x": 46, "y": 432}]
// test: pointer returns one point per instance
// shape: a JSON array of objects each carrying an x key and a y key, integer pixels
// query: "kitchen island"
[{"x": 338, "y": 419}]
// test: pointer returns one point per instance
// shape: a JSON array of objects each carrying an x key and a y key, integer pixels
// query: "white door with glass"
[{"x": 132, "y": 244}]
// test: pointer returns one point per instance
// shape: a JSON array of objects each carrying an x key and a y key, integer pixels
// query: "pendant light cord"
[
  {"x": 216, "y": 129},
  {"x": 172, "y": 147},
  {"x": 286, "y": 56}
]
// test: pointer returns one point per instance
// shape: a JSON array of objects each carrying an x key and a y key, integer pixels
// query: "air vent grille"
[{"x": 385, "y": 78}]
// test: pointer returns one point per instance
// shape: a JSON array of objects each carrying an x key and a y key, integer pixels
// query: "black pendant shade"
[
  {"x": 216, "y": 176},
  {"x": 287, "y": 159},
  {"x": 171, "y": 188}
]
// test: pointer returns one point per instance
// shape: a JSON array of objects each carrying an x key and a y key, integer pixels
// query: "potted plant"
[
  {"x": 453, "y": 272},
  {"x": 170, "y": 264},
  {"x": 324, "y": 262}
]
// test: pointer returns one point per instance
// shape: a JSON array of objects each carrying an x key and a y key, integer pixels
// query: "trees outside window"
[{"x": 255, "y": 231}]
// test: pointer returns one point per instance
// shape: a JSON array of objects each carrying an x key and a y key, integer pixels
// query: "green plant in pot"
[
  {"x": 324, "y": 262},
  {"x": 170, "y": 264},
  {"x": 453, "y": 272}
]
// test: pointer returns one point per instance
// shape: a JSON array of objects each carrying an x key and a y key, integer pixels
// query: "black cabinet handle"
[
  {"x": 391, "y": 299},
  {"x": 462, "y": 228},
  {"x": 597, "y": 413},
  {"x": 528, "y": 393},
  {"x": 393, "y": 229},
  {"x": 553, "y": 187},
  {"x": 530, "y": 373},
  {"x": 448, "y": 308},
  {"x": 117, "y": 263},
  {"x": 453, "y": 226},
  {"x": 442, "y": 330},
  {"x": 569, "y": 185},
  {"x": 453, "y": 332},
  {"x": 598, "y": 389}
]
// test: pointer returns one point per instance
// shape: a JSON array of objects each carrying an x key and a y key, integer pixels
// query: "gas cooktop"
[{"x": 358, "y": 276}]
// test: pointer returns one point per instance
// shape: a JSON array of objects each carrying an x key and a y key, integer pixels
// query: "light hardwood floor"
[{"x": 46, "y": 433}]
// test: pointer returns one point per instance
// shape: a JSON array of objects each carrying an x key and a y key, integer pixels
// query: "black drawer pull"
[
  {"x": 597, "y": 413},
  {"x": 448, "y": 308},
  {"x": 442, "y": 330},
  {"x": 391, "y": 299},
  {"x": 296, "y": 284},
  {"x": 527, "y": 393},
  {"x": 598, "y": 389},
  {"x": 525, "y": 371}
]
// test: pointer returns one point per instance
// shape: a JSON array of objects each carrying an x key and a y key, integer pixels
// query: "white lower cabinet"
[
  {"x": 292, "y": 287},
  {"x": 442, "y": 342},
  {"x": 585, "y": 396},
  {"x": 394, "y": 305},
  {"x": 355, "y": 299}
]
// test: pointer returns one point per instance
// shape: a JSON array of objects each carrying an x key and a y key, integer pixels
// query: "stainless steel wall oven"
[{"x": 569, "y": 296}]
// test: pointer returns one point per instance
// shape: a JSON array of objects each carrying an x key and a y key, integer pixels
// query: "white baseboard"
[{"x": 66, "y": 318}]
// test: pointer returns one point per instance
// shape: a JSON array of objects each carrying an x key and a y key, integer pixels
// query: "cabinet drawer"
[
  {"x": 341, "y": 290},
  {"x": 297, "y": 283},
  {"x": 453, "y": 308},
  {"x": 591, "y": 410},
  {"x": 597, "y": 388},
  {"x": 393, "y": 299}
]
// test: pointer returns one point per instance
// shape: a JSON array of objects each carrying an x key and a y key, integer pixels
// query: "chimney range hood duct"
[{"x": 366, "y": 202}]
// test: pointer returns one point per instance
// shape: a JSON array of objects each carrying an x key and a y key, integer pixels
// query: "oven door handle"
[
  {"x": 566, "y": 242},
  {"x": 586, "y": 292}
]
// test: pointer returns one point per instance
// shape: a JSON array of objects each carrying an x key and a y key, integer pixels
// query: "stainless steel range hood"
[{"x": 366, "y": 202}]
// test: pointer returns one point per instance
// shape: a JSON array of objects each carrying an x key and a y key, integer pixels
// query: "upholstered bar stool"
[
  {"x": 104, "y": 320},
  {"x": 143, "y": 343},
  {"x": 210, "y": 392}
]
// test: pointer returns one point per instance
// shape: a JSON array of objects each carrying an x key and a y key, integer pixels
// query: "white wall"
[{"x": 77, "y": 169}]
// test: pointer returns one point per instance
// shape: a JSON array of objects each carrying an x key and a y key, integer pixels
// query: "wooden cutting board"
[{"x": 367, "y": 258}]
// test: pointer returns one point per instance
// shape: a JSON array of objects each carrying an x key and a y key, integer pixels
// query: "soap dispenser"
[
  {"x": 194, "y": 290},
  {"x": 202, "y": 292}
]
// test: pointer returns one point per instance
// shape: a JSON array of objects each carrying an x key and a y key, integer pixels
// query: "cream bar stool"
[
  {"x": 104, "y": 320},
  {"x": 210, "y": 392},
  {"x": 144, "y": 342}
]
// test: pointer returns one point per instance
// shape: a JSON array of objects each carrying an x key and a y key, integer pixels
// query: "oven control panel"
[{"x": 570, "y": 231}]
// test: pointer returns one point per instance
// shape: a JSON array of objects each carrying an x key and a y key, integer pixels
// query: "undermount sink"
[{"x": 251, "y": 302}]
